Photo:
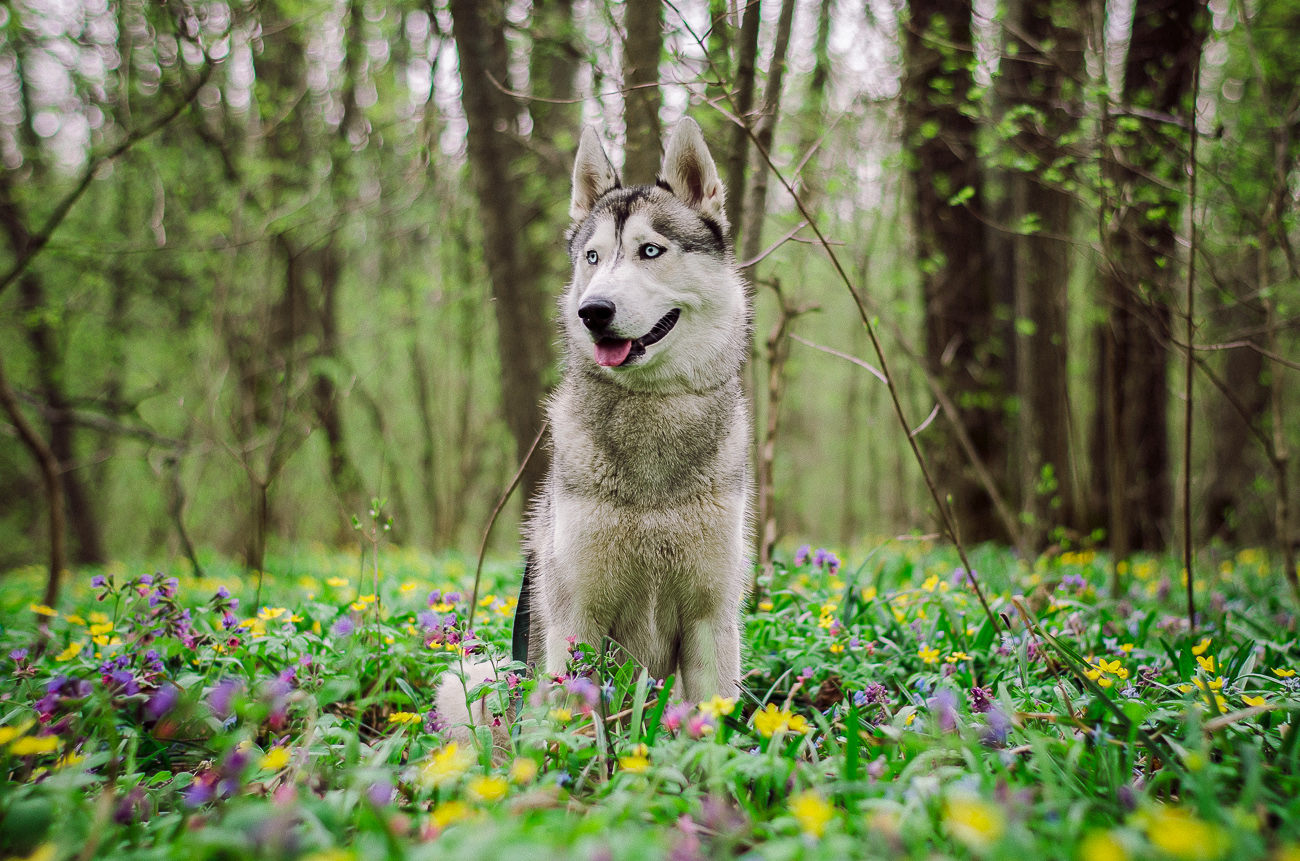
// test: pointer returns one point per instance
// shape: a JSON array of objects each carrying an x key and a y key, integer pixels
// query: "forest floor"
[{"x": 884, "y": 716}]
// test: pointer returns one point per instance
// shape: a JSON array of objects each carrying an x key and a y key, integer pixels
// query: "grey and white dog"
[{"x": 641, "y": 529}]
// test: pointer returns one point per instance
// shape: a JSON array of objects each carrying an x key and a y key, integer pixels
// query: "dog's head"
[{"x": 655, "y": 303}]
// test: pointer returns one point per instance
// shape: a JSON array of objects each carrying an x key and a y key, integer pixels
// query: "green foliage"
[{"x": 884, "y": 716}]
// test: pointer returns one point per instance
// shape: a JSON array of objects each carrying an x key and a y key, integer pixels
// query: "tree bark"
[
  {"x": 1148, "y": 174},
  {"x": 642, "y": 48},
  {"x": 738, "y": 150},
  {"x": 952, "y": 254},
  {"x": 520, "y": 298}
]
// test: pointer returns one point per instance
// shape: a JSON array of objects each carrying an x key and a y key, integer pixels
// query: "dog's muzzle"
[{"x": 612, "y": 351}]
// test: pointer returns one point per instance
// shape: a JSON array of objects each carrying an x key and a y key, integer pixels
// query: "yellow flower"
[
  {"x": 268, "y": 613},
  {"x": 275, "y": 759},
  {"x": 487, "y": 788},
  {"x": 1253, "y": 701},
  {"x": 1206, "y": 664},
  {"x": 561, "y": 715},
  {"x": 367, "y": 599},
  {"x": 486, "y": 600},
  {"x": 1181, "y": 834},
  {"x": 68, "y": 759},
  {"x": 9, "y": 733},
  {"x": 404, "y": 717},
  {"x": 69, "y": 653},
  {"x": 1127, "y": 647},
  {"x": 931, "y": 583},
  {"x": 447, "y": 765},
  {"x": 836, "y": 648},
  {"x": 75, "y": 619},
  {"x": 812, "y": 811},
  {"x": 358, "y": 606},
  {"x": 523, "y": 770},
  {"x": 449, "y": 813},
  {"x": 336, "y": 582},
  {"x": 1284, "y": 674},
  {"x": 771, "y": 721},
  {"x": 637, "y": 761},
  {"x": 31, "y": 744},
  {"x": 101, "y": 628},
  {"x": 44, "y": 852},
  {"x": 1199, "y": 648},
  {"x": 826, "y": 621},
  {"x": 869, "y": 593},
  {"x": 409, "y": 586},
  {"x": 1102, "y": 846},
  {"x": 42, "y": 610},
  {"x": 718, "y": 707},
  {"x": 957, "y": 656},
  {"x": 929, "y": 655},
  {"x": 973, "y": 821}
]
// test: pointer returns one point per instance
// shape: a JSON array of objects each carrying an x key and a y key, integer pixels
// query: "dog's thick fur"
[{"x": 641, "y": 529}]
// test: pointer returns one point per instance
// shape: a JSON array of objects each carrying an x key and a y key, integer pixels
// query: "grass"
[{"x": 884, "y": 717}]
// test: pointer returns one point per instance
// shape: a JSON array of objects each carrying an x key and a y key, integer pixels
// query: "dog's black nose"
[{"x": 596, "y": 313}]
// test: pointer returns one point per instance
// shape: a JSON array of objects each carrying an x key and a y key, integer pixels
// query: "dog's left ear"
[
  {"x": 689, "y": 171},
  {"x": 593, "y": 175}
]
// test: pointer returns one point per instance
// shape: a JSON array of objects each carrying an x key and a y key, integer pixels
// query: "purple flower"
[
  {"x": 435, "y": 597},
  {"x": 201, "y": 791},
  {"x": 146, "y": 579},
  {"x": 1075, "y": 580},
  {"x": 343, "y": 626},
  {"x": 943, "y": 705},
  {"x": 234, "y": 603},
  {"x": 960, "y": 577},
  {"x": 452, "y": 598},
  {"x": 432, "y": 721},
  {"x": 222, "y": 697},
  {"x": 801, "y": 555},
  {"x": 18, "y": 655},
  {"x": 675, "y": 714},
  {"x": 428, "y": 620},
  {"x": 806, "y": 674},
  {"x": 981, "y": 699},
  {"x": 223, "y": 593},
  {"x": 585, "y": 688},
  {"x": 125, "y": 680},
  {"x": 98, "y": 581},
  {"x": 163, "y": 700},
  {"x": 819, "y": 558},
  {"x": 380, "y": 793},
  {"x": 998, "y": 727},
  {"x": 170, "y": 585}
]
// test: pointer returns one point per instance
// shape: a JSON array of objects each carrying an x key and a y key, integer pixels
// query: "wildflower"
[
  {"x": 266, "y": 614},
  {"x": 222, "y": 697},
  {"x": 336, "y": 582},
  {"x": 1199, "y": 648},
  {"x": 98, "y": 581},
  {"x": 380, "y": 793},
  {"x": 812, "y": 812},
  {"x": 981, "y": 699},
  {"x": 718, "y": 707},
  {"x": 523, "y": 770},
  {"x": 1074, "y": 580},
  {"x": 1102, "y": 846},
  {"x": 801, "y": 555},
  {"x": 1206, "y": 664},
  {"x": 1283, "y": 673},
  {"x": 973, "y": 821},
  {"x": 837, "y": 648},
  {"x": 404, "y": 717},
  {"x": 18, "y": 655},
  {"x": 408, "y": 587},
  {"x": 163, "y": 700},
  {"x": 637, "y": 761},
  {"x": 275, "y": 759},
  {"x": 929, "y": 655},
  {"x": 449, "y": 813},
  {"x": 487, "y": 788},
  {"x": 1181, "y": 834},
  {"x": 9, "y": 733},
  {"x": 42, "y": 610},
  {"x": 447, "y": 765},
  {"x": 772, "y": 720},
  {"x": 74, "y": 619},
  {"x": 1253, "y": 701},
  {"x": 30, "y": 745},
  {"x": 699, "y": 725},
  {"x": 343, "y": 626},
  {"x": 957, "y": 656},
  {"x": 69, "y": 653},
  {"x": 765, "y": 605}
]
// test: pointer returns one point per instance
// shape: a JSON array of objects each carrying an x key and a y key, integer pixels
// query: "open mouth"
[{"x": 616, "y": 352}]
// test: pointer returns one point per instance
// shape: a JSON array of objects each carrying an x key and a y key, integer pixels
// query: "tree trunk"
[
  {"x": 952, "y": 254},
  {"x": 1045, "y": 81},
  {"x": 1133, "y": 470},
  {"x": 738, "y": 150},
  {"x": 642, "y": 47},
  {"x": 520, "y": 297}
]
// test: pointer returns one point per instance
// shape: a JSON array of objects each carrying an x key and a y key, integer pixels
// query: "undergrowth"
[{"x": 883, "y": 716}]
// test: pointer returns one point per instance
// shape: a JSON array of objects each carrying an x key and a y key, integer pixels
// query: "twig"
[
  {"x": 482, "y": 548},
  {"x": 1191, "y": 362}
]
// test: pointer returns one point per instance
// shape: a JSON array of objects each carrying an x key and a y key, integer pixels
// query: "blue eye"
[
  {"x": 593, "y": 258},
  {"x": 650, "y": 250}
]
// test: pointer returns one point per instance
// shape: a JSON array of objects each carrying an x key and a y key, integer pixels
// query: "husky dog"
[{"x": 641, "y": 529}]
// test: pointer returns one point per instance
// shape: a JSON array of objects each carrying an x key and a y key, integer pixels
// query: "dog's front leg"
[{"x": 710, "y": 660}]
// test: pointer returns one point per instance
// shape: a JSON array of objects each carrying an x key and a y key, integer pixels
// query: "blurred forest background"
[{"x": 262, "y": 262}]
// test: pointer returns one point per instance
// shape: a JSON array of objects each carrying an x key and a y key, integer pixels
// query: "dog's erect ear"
[
  {"x": 690, "y": 172},
  {"x": 593, "y": 175}
]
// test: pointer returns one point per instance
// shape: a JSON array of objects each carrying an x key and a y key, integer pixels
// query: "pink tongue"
[{"x": 611, "y": 353}]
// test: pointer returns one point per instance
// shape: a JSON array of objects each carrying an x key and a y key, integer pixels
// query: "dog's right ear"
[{"x": 593, "y": 175}]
